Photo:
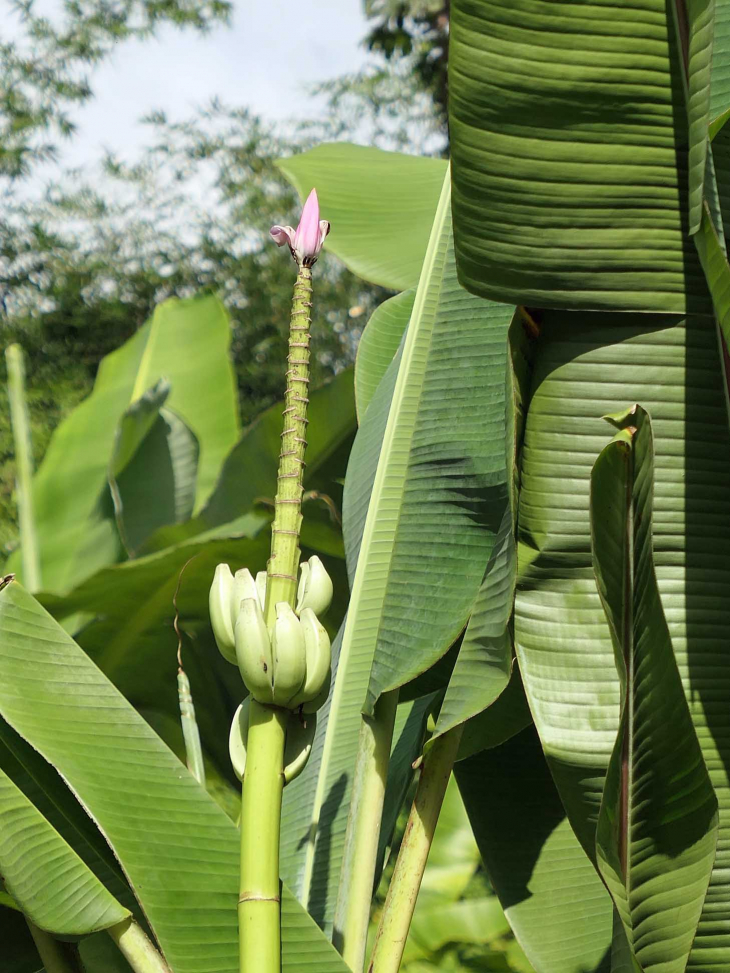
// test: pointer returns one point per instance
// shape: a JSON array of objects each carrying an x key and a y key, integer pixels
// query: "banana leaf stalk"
[
  {"x": 55, "y": 956},
  {"x": 395, "y": 919},
  {"x": 259, "y": 903},
  {"x": 24, "y": 463}
]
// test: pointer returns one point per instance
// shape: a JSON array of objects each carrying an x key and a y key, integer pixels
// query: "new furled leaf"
[
  {"x": 657, "y": 826},
  {"x": 587, "y": 365}
]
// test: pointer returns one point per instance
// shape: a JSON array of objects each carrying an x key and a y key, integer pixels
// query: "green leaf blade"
[{"x": 46, "y": 877}]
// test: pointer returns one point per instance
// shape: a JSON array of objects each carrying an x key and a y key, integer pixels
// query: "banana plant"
[{"x": 534, "y": 604}]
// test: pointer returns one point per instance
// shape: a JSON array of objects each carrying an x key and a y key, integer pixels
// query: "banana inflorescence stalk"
[{"x": 269, "y": 627}]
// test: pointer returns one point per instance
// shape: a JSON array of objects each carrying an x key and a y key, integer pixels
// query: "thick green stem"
[
  {"x": 54, "y": 955},
  {"x": 24, "y": 466},
  {"x": 357, "y": 878},
  {"x": 395, "y": 920},
  {"x": 259, "y": 904},
  {"x": 136, "y": 948},
  {"x": 263, "y": 784},
  {"x": 281, "y": 583}
]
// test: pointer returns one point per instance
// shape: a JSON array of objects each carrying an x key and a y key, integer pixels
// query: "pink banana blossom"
[{"x": 306, "y": 241}]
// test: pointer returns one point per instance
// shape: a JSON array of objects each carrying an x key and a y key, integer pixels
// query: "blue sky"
[{"x": 265, "y": 61}]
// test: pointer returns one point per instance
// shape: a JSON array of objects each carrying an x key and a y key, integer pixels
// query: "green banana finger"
[
  {"x": 253, "y": 651},
  {"x": 315, "y": 587},
  {"x": 290, "y": 663},
  {"x": 318, "y": 658},
  {"x": 219, "y": 605},
  {"x": 299, "y": 738}
]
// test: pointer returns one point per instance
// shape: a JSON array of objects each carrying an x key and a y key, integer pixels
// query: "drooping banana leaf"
[
  {"x": 485, "y": 689},
  {"x": 435, "y": 496},
  {"x": 178, "y": 848},
  {"x": 657, "y": 827},
  {"x": 381, "y": 206},
  {"x": 153, "y": 469},
  {"x": 569, "y": 137},
  {"x": 186, "y": 342},
  {"x": 587, "y": 365},
  {"x": 552, "y": 896}
]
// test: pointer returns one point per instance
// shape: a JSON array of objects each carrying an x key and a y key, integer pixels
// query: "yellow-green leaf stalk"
[
  {"x": 275, "y": 650},
  {"x": 395, "y": 919},
  {"x": 20, "y": 423}
]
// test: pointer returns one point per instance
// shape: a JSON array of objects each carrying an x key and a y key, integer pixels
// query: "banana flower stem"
[
  {"x": 259, "y": 905},
  {"x": 259, "y": 897},
  {"x": 395, "y": 920},
  {"x": 24, "y": 464},
  {"x": 281, "y": 582}
]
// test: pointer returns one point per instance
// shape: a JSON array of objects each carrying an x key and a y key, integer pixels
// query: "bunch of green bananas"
[{"x": 288, "y": 666}]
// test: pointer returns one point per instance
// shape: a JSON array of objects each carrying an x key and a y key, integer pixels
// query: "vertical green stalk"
[
  {"x": 281, "y": 582},
  {"x": 24, "y": 463},
  {"x": 259, "y": 903},
  {"x": 395, "y": 921},
  {"x": 54, "y": 955},
  {"x": 137, "y": 948},
  {"x": 357, "y": 878}
]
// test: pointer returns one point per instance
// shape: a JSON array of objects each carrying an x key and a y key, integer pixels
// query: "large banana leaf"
[
  {"x": 450, "y": 494},
  {"x": 587, "y": 365},
  {"x": 380, "y": 204},
  {"x": 433, "y": 499},
  {"x": 186, "y": 342},
  {"x": 657, "y": 827},
  {"x": 179, "y": 850},
  {"x": 569, "y": 136},
  {"x": 554, "y": 900},
  {"x": 45, "y": 876}
]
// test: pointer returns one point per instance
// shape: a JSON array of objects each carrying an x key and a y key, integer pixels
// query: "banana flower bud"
[
  {"x": 306, "y": 241},
  {"x": 315, "y": 587}
]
